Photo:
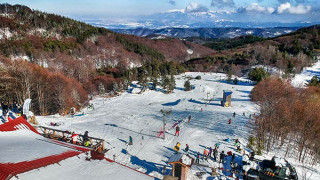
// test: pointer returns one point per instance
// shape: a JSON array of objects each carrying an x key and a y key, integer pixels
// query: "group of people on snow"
[
  {"x": 74, "y": 138},
  {"x": 6, "y": 107}
]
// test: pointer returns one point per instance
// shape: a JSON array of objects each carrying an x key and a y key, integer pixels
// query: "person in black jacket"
[
  {"x": 85, "y": 138},
  {"x": 222, "y": 155}
]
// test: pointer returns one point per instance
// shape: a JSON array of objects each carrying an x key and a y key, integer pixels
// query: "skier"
[
  {"x": 187, "y": 148},
  {"x": 222, "y": 155},
  {"x": 205, "y": 154},
  {"x": 234, "y": 114},
  {"x": 85, "y": 138},
  {"x": 189, "y": 118},
  {"x": 177, "y": 130},
  {"x": 130, "y": 141},
  {"x": 237, "y": 143},
  {"x": 215, "y": 153},
  {"x": 229, "y": 121}
]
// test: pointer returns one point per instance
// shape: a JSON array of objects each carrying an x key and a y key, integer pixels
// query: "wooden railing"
[{"x": 96, "y": 144}]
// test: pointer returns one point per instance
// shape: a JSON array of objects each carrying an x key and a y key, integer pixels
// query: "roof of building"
[
  {"x": 184, "y": 159},
  {"x": 26, "y": 154}
]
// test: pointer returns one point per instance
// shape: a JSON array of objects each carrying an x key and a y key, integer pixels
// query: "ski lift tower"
[{"x": 165, "y": 112}]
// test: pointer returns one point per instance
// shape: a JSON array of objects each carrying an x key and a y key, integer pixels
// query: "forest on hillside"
[
  {"x": 289, "y": 118},
  {"x": 60, "y": 63}
]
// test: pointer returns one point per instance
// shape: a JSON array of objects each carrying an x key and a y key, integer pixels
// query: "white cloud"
[
  {"x": 254, "y": 7},
  {"x": 284, "y": 7},
  {"x": 222, "y": 3},
  {"x": 300, "y": 9},
  {"x": 195, "y": 7},
  {"x": 288, "y": 8}
]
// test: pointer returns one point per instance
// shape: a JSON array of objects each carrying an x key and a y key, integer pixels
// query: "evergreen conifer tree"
[
  {"x": 187, "y": 85},
  {"x": 172, "y": 83}
]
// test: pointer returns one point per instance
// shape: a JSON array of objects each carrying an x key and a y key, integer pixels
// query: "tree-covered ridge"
[
  {"x": 24, "y": 19},
  {"x": 289, "y": 53}
]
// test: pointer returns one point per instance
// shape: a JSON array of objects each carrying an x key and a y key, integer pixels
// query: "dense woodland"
[
  {"x": 289, "y": 118},
  {"x": 289, "y": 53}
]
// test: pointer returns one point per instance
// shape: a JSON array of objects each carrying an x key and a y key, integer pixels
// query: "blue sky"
[{"x": 252, "y": 10}]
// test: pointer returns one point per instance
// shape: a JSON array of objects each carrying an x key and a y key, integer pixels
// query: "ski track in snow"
[{"x": 138, "y": 115}]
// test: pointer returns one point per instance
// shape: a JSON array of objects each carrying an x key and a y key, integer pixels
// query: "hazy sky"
[{"x": 288, "y": 9}]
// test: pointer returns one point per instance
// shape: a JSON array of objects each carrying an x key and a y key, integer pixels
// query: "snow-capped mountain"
[{"x": 184, "y": 18}]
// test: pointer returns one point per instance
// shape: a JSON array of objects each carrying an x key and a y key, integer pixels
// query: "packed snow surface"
[
  {"x": 78, "y": 168},
  {"x": 300, "y": 80},
  {"x": 25, "y": 145},
  {"x": 139, "y": 115}
]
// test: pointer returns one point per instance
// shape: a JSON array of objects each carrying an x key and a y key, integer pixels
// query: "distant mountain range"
[
  {"x": 185, "y": 19},
  {"x": 207, "y": 32}
]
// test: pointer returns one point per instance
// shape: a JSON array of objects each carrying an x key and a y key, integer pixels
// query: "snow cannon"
[{"x": 177, "y": 147}]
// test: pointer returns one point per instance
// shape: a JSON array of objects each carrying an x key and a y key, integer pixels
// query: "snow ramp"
[
  {"x": 25, "y": 154},
  {"x": 24, "y": 149}
]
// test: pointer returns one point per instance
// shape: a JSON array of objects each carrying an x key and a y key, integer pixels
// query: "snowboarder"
[
  {"x": 85, "y": 138},
  {"x": 187, "y": 148},
  {"x": 198, "y": 158},
  {"x": 177, "y": 130},
  {"x": 222, "y": 155},
  {"x": 189, "y": 118},
  {"x": 244, "y": 114},
  {"x": 229, "y": 121},
  {"x": 130, "y": 141},
  {"x": 234, "y": 114}
]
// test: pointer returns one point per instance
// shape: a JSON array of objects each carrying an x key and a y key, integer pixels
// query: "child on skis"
[{"x": 177, "y": 130}]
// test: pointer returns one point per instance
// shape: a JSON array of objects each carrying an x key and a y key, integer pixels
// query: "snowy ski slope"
[{"x": 138, "y": 115}]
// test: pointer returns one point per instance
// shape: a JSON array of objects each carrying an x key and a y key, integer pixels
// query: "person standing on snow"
[
  {"x": 187, "y": 148},
  {"x": 222, "y": 155},
  {"x": 205, "y": 154},
  {"x": 215, "y": 153},
  {"x": 85, "y": 138},
  {"x": 177, "y": 131},
  {"x": 210, "y": 152},
  {"x": 229, "y": 122},
  {"x": 198, "y": 158},
  {"x": 189, "y": 119},
  {"x": 74, "y": 138},
  {"x": 130, "y": 141}
]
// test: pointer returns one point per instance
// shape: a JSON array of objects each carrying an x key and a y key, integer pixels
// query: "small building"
[
  {"x": 181, "y": 164},
  {"x": 226, "y": 101}
]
